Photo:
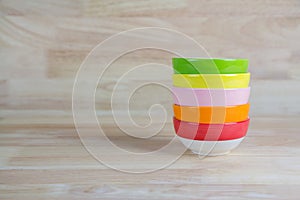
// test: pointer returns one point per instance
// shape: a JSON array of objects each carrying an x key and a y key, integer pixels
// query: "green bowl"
[{"x": 209, "y": 66}]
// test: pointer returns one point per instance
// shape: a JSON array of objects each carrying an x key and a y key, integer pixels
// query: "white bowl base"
[{"x": 210, "y": 148}]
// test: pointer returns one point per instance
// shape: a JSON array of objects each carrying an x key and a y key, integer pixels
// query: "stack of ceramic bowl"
[{"x": 211, "y": 103}]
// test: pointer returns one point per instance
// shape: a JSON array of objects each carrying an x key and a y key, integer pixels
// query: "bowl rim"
[
  {"x": 210, "y": 59},
  {"x": 226, "y": 107},
  {"x": 212, "y": 89},
  {"x": 214, "y": 75},
  {"x": 224, "y": 124}
]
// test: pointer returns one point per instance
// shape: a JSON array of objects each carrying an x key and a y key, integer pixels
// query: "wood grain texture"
[{"x": 42, "y": 45}]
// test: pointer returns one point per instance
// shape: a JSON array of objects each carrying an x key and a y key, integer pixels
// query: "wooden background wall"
[{"x": 42, "y": 44}]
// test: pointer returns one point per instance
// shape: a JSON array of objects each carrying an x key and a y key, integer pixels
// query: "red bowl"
[{"x": 210, "y": 132}]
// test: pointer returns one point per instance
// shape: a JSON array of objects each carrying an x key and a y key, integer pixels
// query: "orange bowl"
[{"x": 213, "y": 114}]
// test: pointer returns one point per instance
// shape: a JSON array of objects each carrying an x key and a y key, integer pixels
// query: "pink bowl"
[{"x": 210, "y": 97}]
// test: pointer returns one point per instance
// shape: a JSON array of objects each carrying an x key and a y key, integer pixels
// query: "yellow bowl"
[{"x": 211, "y": 80}]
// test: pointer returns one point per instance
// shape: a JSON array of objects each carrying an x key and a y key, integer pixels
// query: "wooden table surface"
[
  {"x": 43, "y": 43},
  {"x": 47, "y": 161}
]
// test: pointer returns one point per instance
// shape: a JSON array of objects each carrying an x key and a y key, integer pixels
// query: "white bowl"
[{"x": 210, "y": 148}]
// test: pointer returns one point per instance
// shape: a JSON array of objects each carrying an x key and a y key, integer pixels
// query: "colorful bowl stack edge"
[{"x": 211, "y": 103}]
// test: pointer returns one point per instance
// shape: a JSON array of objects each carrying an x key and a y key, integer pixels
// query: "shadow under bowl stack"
[{"x": 211, "y": 103}]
